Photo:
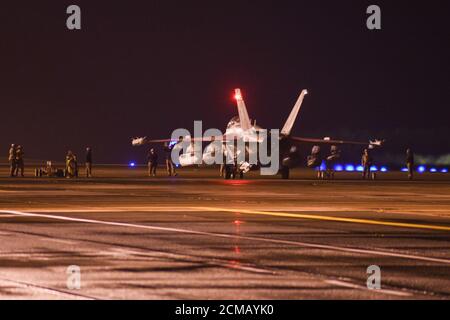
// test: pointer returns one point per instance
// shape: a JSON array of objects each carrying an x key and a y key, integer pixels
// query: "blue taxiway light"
[
  {"x": 383, "y": 169},
  {"x": 404, "y": 169},
  {"x": 421, "y": 169},
  {"x": 323, "y": 167},
  {"x": 433, "y": 170},
  {"x": 360, "y": 168},
  {"x": 132, "y": 164},
  {"x": 444, "y": 170},
  {"x": 172, "y": 143},
  {"x": 338, "y": 167},
  {"x": 373, "y": 168},
  {"x": 349, "y": 167}
]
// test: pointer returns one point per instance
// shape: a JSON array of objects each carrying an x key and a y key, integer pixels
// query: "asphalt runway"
[{"x": 196, "y": 236}]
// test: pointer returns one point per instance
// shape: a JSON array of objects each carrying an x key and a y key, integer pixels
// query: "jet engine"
[
  {"x": 212, "y": 152},
  {"x": 190, "y": 157}
]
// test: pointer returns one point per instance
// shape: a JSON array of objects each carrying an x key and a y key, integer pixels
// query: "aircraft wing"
[
  {"x": 144, "y": 140},
  {"x": 375, "y": 143}
]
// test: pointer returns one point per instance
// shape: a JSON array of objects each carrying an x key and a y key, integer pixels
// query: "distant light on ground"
[
  {"x": 444, "y": 170},
  {"x": 433, "y": 170},
  {"x": 132, "y": 164},
  {"x": 421, "y": 169},
  {"x": 360, "y": 168},
  {"x": 350, "y": 167},
  {"x": 383, "y": 169},
  {"x": 323, "y": 167},
  {"x": 404, "y": 170},
  {"x": 338, "y": 167},
  {"x": 373, "y": 168}
]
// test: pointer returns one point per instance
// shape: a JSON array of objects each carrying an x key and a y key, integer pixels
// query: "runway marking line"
[
  {"x": 357, "y": 286},
  {"x": 257, "y": 212},
  {"x": 36, "y": 287},
  {"x": 330, "y": 218},
  {"x": 230, "y": 236}
]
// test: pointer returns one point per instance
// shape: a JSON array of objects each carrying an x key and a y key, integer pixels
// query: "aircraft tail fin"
[
  {"x": 242, "y": 110},
  {"x": 293, "y": 115}
]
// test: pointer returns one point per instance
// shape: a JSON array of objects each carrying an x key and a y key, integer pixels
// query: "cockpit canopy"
[{"x": 234, "y": 122}]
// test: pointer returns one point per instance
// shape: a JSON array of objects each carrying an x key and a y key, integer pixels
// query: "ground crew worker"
[
  {"x": 70, "y": 165},
  {"x": 88, "y": 162},
  {"x": 366, "y": 162},
  {"x": 410, "y": 163},
  {"x": 20, "y": 164},
  {"x": 152, "y": 162},
  {"x": 12, "y": 160},
  {"x": 169, "y": 163},
  {"x": 76, "y": 164},
  {"x": 222, "y": 168},
  {"x": 331, "y": 160}
]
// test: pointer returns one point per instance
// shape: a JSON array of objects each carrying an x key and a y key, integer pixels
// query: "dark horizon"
[{"x": 147, "y": 67}]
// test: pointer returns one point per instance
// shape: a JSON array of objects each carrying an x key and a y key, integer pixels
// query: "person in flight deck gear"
[
  {"x": 88, "y": 162},
  {"x": 70, "y": 165},
  {"x": 12, "y": 160},
  {"x": 20, "y": 165},
  {"x": 410, "y": 163},
  {"x": 152, "y": 159},
  {"x": 169, "y": 163},
  {"x": 76, "y": 165},
  {"x": 222, "y": 168},
  {"x": 315, "y": 160},
  {"x": 366, "y": 162},
  {"x": 331, "y": 160}
]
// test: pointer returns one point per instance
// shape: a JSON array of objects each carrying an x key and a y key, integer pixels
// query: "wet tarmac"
[{"x": 197, "y": 236}]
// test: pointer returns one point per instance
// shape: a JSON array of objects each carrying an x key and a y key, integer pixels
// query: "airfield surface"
[{"x": 196, "y": 236}]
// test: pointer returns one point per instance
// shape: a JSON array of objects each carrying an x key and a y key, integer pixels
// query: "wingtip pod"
[
  {"x": 138, "y": 141},
  {"x": 376, "y": 143}
]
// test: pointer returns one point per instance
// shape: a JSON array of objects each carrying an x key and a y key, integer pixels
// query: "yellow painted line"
[
  {"x": 256, "y": 212},
  {"x": 232, "y": 236},
  {"x": 331, "y": 218}
]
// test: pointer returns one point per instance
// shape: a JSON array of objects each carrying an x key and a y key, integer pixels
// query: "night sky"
[{"x": 147, "y": 67}]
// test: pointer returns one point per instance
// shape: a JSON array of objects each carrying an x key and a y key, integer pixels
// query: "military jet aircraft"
[{"x": 240, "y": 128}]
